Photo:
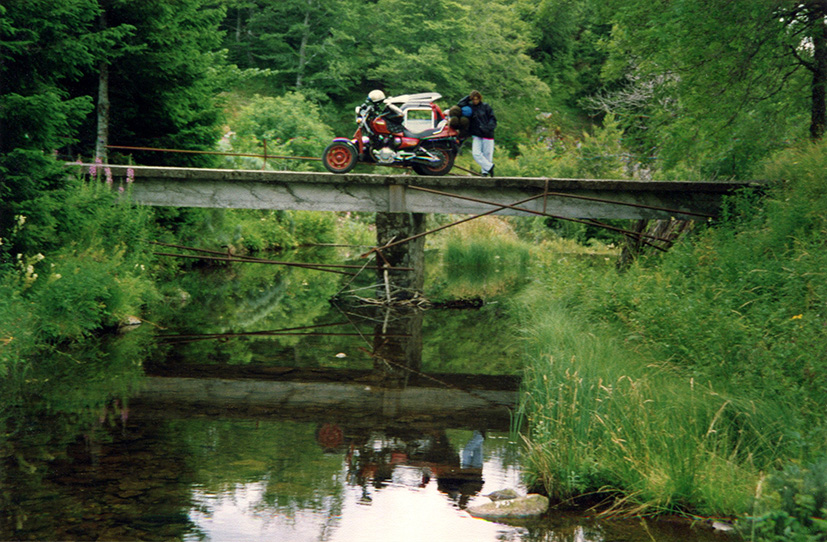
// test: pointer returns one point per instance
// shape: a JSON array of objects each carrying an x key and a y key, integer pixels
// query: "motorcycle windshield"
[{"x": 421, "y": 98}]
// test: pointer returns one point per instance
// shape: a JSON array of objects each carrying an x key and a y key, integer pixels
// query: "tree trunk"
[
  {"x": 102, "y": 140},
  {"x": 818, "y": 118},
  {"x": 303, "y": 47},
  {"x": 101, "y": 151}
]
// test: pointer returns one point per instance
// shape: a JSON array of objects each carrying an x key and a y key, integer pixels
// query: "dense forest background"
[
  {"x": 681, "y": 89},
  {"x": 697, "y": 87}
]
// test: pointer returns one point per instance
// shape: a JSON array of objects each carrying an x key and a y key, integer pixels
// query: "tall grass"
[
  {"x": 605, "y": 420},
  {"x": 677, "y": 383},
  {"x": 482, "y": 257}
]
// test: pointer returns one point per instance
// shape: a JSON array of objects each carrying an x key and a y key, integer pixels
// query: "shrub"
[
  {"x": 85, "y": 292},
  {"x": 83, "y": 265},
  {"x": 291, "y": 125},
  {"x": 792, "y": 507}
]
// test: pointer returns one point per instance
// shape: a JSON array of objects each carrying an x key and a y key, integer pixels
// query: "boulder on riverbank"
[{"x": 520, "y": 507}]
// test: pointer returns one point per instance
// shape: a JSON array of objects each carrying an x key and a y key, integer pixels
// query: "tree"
[
  {"x": 733, "y": 74},
  {"x": 567, "y": 36},
  {"x": 43, "y": 47},
  {"x": 113, "y": 48},
  {"x": 162, "y": 77},
  {"x": 285, "y": 40},
  {"x": 450, "y": 47},
  {"x": 806, "y": 22}
]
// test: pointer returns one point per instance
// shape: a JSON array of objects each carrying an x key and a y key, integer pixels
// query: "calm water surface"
[{"x": 253, "y": 409}]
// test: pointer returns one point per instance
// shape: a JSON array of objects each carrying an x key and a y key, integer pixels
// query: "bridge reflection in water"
[{"x": 388, "y": 422}]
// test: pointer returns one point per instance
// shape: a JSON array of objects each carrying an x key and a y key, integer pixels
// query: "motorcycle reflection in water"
[
  {"x": 406, "y": 454},
  {"x": 377, "y": 460}
]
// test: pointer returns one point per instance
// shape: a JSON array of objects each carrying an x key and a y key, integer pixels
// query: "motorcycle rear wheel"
[
  {"x": 443, "y": 167},
  {"x": 339, "y": 157}
]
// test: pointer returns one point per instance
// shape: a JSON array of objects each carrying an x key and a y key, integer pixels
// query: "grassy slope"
[{"x": 677, "y": 383}]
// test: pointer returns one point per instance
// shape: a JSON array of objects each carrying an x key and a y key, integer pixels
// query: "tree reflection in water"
[{"x": 278, "y": 437}]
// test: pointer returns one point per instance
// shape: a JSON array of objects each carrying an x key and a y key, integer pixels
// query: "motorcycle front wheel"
[
  {"x": 339, "y": 157},
  {"x": 443, "y": 167}
]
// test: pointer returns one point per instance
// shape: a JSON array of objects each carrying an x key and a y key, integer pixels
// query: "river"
[{"x": 248, "y": 406}]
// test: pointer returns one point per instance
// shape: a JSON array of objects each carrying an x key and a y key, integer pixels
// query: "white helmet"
[{"x": 376, "y": 95}]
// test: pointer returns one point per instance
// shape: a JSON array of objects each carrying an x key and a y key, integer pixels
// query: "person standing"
[{"x": 481, "y": 128}]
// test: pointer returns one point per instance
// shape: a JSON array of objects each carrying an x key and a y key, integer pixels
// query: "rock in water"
[
  {"x": 521, "y": 507},
  {"x": 502, "y": 494}
]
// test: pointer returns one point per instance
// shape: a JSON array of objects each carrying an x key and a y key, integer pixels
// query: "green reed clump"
[
  {"x": 742, "y": 303},
  {"x": 482, "y": 257},
  {"x": 603, "y": 419}
]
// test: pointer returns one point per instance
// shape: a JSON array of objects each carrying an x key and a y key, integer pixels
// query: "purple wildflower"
[
  {"x": 130, "y": 175},
  {"x": 93, "y": 169},
  {"x": 108, "y": 176}
]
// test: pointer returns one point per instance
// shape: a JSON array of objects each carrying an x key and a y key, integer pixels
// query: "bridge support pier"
[
  {"x": 394, "y": 227},
  {"x": 397, "y": 345}
]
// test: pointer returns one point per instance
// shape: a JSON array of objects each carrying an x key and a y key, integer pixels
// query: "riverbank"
[{"x": 689, "y": 382}]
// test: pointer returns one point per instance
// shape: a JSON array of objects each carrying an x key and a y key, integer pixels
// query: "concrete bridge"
[
  {"x": 397, "y": 192},
  {"x": 401, "y": 200}
]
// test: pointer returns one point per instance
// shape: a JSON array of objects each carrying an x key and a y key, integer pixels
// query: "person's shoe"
[{"x": 490, "y": 172}]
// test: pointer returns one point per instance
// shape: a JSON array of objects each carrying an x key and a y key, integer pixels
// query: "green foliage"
[
  {"x": 792, "y": 506},
  {"x": 44, "y": 48},
  {"x": 80, "y": 264},
  {"x": 599, "y": 155},
  {"x": 267, "y": 230},
  {"x": 16, "y": 329},
  {"x": 60, "y": 116},
  {"x": 482, "y": 258},
  {"x": 606, "y": 419},
  {"x": 85, "y": 292},
  {"x": 246, "y": 230},
  {"x": 736, "y": 310},
  {"x": 286, "y": 40},
  {"x": 716, "y": 83},
  {"x": 567, "y": 36},
  {"x": 743, "y": 300},
  {"x": 290, "y": 125},
  {"x": 163, "y": 79}
]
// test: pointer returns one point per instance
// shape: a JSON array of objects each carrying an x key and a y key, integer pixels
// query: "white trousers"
[{"x": 483, "y": 152}]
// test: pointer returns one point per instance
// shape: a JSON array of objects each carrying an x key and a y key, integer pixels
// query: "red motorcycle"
[{"x": 408, "y": 130}]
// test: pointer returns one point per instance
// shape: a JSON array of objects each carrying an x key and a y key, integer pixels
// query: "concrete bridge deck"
[{"x": 398, "y": 192}]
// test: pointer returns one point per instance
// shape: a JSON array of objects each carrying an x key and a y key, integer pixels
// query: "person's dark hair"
[{"x": 475, "y": 94}]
